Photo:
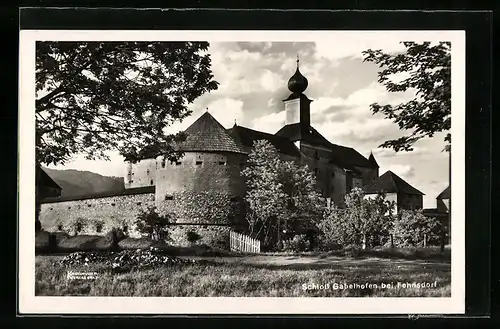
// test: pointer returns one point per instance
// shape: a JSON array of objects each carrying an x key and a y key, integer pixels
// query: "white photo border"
[{"x": 29, "y": 303}]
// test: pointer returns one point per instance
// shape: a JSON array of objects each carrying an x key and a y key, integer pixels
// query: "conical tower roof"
[
  {"x": 372, "y": 160},
  {"x": 207, "y": 135}
]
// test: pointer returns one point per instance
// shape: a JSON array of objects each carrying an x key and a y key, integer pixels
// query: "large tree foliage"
[
  {"x": 426, "y": 69},
  {"x": 93, "y": 97},
  {"x": 279, "y": 193}
]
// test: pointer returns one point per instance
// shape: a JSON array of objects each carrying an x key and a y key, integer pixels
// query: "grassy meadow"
[{"x": 271, "y": 275}]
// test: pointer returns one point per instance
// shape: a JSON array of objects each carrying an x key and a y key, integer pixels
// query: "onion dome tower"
[
  {"x": 297, "y": 105},
  {"x": 298, "y": 83}
]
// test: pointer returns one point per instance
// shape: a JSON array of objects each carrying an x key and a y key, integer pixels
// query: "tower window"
[
  {"x": 169, "y": 197},
  {"x": 147, "y": 172},
  {"x": 59, "y": 227},
  {"x": 199, "y": 163},
  {"x": 163, "y": 163},
  {"x": 151, "y": 182}
]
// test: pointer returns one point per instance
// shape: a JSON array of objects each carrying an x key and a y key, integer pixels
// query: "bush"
[
  {"x": 361, "y": 218},
  {"x": 352, "y": 251},
  {"x": 114, "y": 236},
  {"x": 411, "y": 226},
  {"x": 297, "y": 244},
  {"x": 192, "y": 236},
  {"x": 154, "y": 225},
  {"x": 77, "y": 225}
]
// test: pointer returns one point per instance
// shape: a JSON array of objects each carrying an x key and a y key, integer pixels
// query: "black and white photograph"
[{"x": 303, "y": 171}]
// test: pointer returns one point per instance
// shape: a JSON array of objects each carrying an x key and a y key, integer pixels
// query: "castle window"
[
  {"x": 222, "y": 163},
  {"x": 147, "y": 172},
  {"x": 163, "y": 162},
  {"x": 51, "y": 208},
  {"x": 78, "y": 227},
  {"x": 59, "y": 227},
  {"x": 132, "y": 174},
  {"x": 178, "y": 163},
  {"x": 69, "y": 207},
  {"x": 113, "y": 204},
  {"x": 151, "y": 182},
  {"x": 199, "y": 163},
  {"x": 139, "y": 203},
  {"x": 89, "y": 205},
  {"x": 98, "y": 227},
  {"x": 131, "y": 181},
  {"x": 169, "y": 197}
]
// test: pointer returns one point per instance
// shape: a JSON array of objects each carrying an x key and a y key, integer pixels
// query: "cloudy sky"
[{"x": 253, "y": 78}]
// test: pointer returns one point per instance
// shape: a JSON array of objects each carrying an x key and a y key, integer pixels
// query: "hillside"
[{"x": 75, "y": 182}]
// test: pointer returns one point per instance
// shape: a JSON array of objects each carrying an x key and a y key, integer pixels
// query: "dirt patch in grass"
[{"x": 430, "y": 253}]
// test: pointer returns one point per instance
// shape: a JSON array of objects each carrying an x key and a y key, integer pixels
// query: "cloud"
[
  {"x": 353, "y": 44},
  {"x": 270, "y": 123},
  {"x": 405, "y": 171},
  {"x": 226, "y": 111},
  {"x": 389, "y": 153},
  {"x": 271, "y": 81}
]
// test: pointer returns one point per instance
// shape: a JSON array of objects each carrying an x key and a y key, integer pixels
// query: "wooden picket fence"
[{"x": 243, "y": 243}]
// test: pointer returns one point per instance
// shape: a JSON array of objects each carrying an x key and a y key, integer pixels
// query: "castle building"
[
  {"x": 207, "y": 180},
  {"x": 214, "y": 155},
  {"x": 395, "y": 189}
]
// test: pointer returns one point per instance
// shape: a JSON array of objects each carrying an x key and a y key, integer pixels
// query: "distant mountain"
[{"x": 75, "y": 182}]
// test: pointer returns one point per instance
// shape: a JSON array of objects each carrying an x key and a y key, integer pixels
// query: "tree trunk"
[
  {"x": 279, "y": 236},
  {"x": 392, "y": 241},
  {"x": 425, "y": 240},
  {"x": 364, "y": 241}
]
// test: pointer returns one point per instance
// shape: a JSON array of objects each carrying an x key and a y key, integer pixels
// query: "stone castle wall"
[
  {"x": 99, "y": 215},
  {"x": 114, "y": 211}
]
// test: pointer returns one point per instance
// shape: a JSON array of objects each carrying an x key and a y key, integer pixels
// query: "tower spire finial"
[{"x": 298, "y": 60}]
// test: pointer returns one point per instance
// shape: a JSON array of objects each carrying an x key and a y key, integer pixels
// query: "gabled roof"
[
  {"x": 346, "y": 157},
  {"x": 43, "y": 179},
  {"x": 389, "y": 182},
  {"x": 248, "y": 136},
  {"x": 207, "y": 135},
  {"x": 445, "y": 194}
]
